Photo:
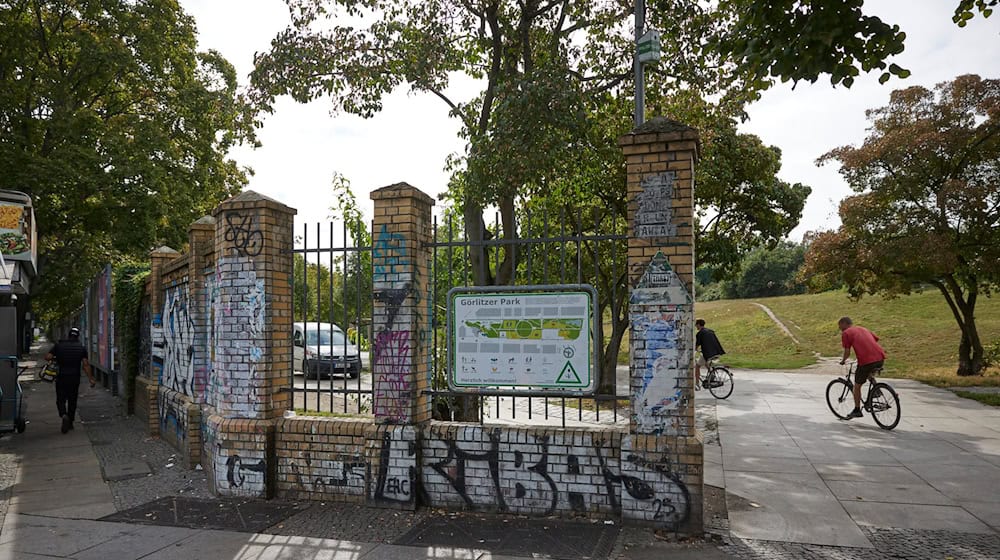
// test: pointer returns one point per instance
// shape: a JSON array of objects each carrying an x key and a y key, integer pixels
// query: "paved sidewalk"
[
  {"x": 794, "y": 474},
  {"x": 796, "y": 482}
]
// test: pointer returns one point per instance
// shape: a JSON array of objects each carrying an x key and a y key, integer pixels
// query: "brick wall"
[
  {"x": 543, "y": 471},
  {"x": 537, "y": 471},
  {"x": 180, "y": 424},
  {"x": 235, "y": 454},
  {"x": 145, "y": 404},
  {"x": 321, "y": 459}
]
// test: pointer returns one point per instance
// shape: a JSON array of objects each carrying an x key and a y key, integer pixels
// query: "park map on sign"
[
  {"x": 533, "y": 340},
  {"x": 530, "y": 329}
]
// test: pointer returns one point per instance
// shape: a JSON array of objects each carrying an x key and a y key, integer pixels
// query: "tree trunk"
[
  {"x": 506, "y": 269},
  {"x": 963, "y": 308},
  {"x": 475, "y": 232},
  {"x": 609, "y": 358},
  {"x": 970, "y": 350}
]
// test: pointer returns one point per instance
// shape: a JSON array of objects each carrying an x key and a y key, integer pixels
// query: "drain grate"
[
  {"x": 547, "y": 538},
  {"x": 249, "y": 516}
]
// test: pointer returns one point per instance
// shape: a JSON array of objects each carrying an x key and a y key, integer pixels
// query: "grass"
[
  {"x": 991, "y": 399},
  {"x": 750, "y": 337},
  {"x": 918, "y": 331}
]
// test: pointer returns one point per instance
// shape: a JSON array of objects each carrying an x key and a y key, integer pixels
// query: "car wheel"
[
  {"x": 306, "y": 373},
  {"x": 355, "y": 371}
]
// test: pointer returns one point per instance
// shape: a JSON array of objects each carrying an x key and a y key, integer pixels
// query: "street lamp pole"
[{"x": 640, "y": 92}]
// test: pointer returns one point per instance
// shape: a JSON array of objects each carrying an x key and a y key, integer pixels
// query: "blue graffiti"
[{"x": 389, "y": 252}]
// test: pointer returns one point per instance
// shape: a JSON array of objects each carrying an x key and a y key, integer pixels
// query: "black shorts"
[{"x": 864, "y": 371}]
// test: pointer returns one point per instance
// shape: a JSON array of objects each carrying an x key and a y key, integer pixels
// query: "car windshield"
[{"x": 325, "y": 338}]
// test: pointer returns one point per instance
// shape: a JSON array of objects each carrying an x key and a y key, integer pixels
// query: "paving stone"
[
  {"x": 126, "y": 470},
  {"x": 515, "y": 536},
  {"x": 248, "y": 516}
]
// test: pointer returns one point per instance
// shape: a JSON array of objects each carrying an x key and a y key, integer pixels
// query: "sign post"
[{"x": 523, "y": 339}]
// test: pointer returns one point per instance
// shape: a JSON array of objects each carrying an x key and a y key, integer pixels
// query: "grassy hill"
[{"x": 918, "y": 332}]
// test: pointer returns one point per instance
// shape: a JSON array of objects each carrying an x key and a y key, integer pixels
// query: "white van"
[{"x": 322, "y": 349}]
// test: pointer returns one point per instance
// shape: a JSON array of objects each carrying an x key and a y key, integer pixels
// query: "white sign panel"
[{"x": 541, "y": 340}]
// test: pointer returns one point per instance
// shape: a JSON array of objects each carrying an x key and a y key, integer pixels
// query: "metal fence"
[
  {"x": 332, "y": 310},
  {"x": 332, "y": 290}
]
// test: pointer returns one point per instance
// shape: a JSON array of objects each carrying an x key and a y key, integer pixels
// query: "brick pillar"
[
  {"x": 401, "y": 260},
  {"x": 403, "y": 339},
  {"x": 147, "y": 389},
  {"x": 201, "y": 244},
  {"x": 251, "y": 316},
  {"x": 660, "y": 156}
]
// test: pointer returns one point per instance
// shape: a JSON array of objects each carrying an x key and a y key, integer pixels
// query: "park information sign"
[{"x": 528, "y": 337}]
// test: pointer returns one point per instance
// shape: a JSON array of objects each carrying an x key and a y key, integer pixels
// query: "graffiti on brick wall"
[
  {"x": 392, "y": 364},
  {"x": 232, "y": 472},
  {"x": 238, "y": 312},
  {"x": 389, "y": 254},
  {"x": 541, "y": 475},
  {"x": 661, "y": 331},
  {"x": 654, "y": 217},
  {"x": 156, "y": 346},
  {"x": 392, "y": 351},
  {"x": 243, "y": 235},
  {"x": 173, "y": 422},
  {"x": 178, "y": 342},
  {"x": 240, "y": 471},
  {"x": 397, "y": 466},
  {"x": 653, "y": 491},
  {"x": 338, "y": 476}
]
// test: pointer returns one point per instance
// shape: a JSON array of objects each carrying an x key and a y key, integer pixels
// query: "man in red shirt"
[{"x": 869, "y": 354}]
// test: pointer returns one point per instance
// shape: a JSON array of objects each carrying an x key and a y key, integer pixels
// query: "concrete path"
[
  {"x": 58, "y": 494},
  {"x": 794, "y": 473}
]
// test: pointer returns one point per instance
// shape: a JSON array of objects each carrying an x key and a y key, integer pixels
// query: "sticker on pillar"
[
  {"x": 666, "y": 356},
  {"x": 655, "y": 215},
  {"x": 659, "y": 284}
]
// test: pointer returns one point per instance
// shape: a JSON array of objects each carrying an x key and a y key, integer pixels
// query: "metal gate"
[{"x": 332, "y": 290}]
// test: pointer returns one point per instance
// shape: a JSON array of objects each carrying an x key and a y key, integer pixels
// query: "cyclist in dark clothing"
[
  {"x": 71, "y": 357},
  {"x": 710, "y": 348}
]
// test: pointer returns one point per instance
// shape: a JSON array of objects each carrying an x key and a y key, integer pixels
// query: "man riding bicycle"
[
  {"x": 868, "y": 352},
  {"x": 708, "y": 343}
]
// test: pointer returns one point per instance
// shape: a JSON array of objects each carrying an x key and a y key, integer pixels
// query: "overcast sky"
[{"x": 303, "y": 145}]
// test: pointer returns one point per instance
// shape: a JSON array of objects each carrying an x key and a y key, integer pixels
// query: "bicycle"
[
  {"x": 719, "y": 380},
  {"x": 881, "y": 401}
]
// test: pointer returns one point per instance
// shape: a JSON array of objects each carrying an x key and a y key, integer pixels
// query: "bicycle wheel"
[
  {"x": 840, "y": 398},
  {"x": 884, "y": 403},
  {"x": 720, "y": 382}
]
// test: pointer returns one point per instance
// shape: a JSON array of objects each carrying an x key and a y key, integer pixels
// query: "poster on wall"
[
  {"x": 17, "y": 228},
  {"x": 526, "y": 337}
]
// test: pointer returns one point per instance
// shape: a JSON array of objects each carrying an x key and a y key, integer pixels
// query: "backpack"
[{"x": 49, "y": 372}]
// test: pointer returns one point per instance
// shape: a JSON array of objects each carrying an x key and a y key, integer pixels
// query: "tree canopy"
[
  {"x": 928, "y": 208},
  {"x": 116, "y": 127},
  {"x": 541, "y": 134},
  {"x": 804, "y": 39}
]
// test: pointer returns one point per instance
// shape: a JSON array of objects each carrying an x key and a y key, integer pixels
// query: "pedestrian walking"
[{"x": 71, "y": 357}]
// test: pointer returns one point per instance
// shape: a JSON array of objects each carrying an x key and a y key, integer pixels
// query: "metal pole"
[{"x": 640, "y": 92}]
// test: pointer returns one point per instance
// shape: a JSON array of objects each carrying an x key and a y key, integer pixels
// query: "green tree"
[
  {"x": 742, "y": 204},
  {"x": 544, "y": 66},
  {"x": 116, "y": 127},
  {"x": 928, "y": 208},
  {"x": 803, "y": 39},
  {"x": 768, "y": 272}
]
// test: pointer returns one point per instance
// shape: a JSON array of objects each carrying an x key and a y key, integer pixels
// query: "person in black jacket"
[
  {"x": 71, "y": 357},
  {"x": 710, "y": 348}
]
